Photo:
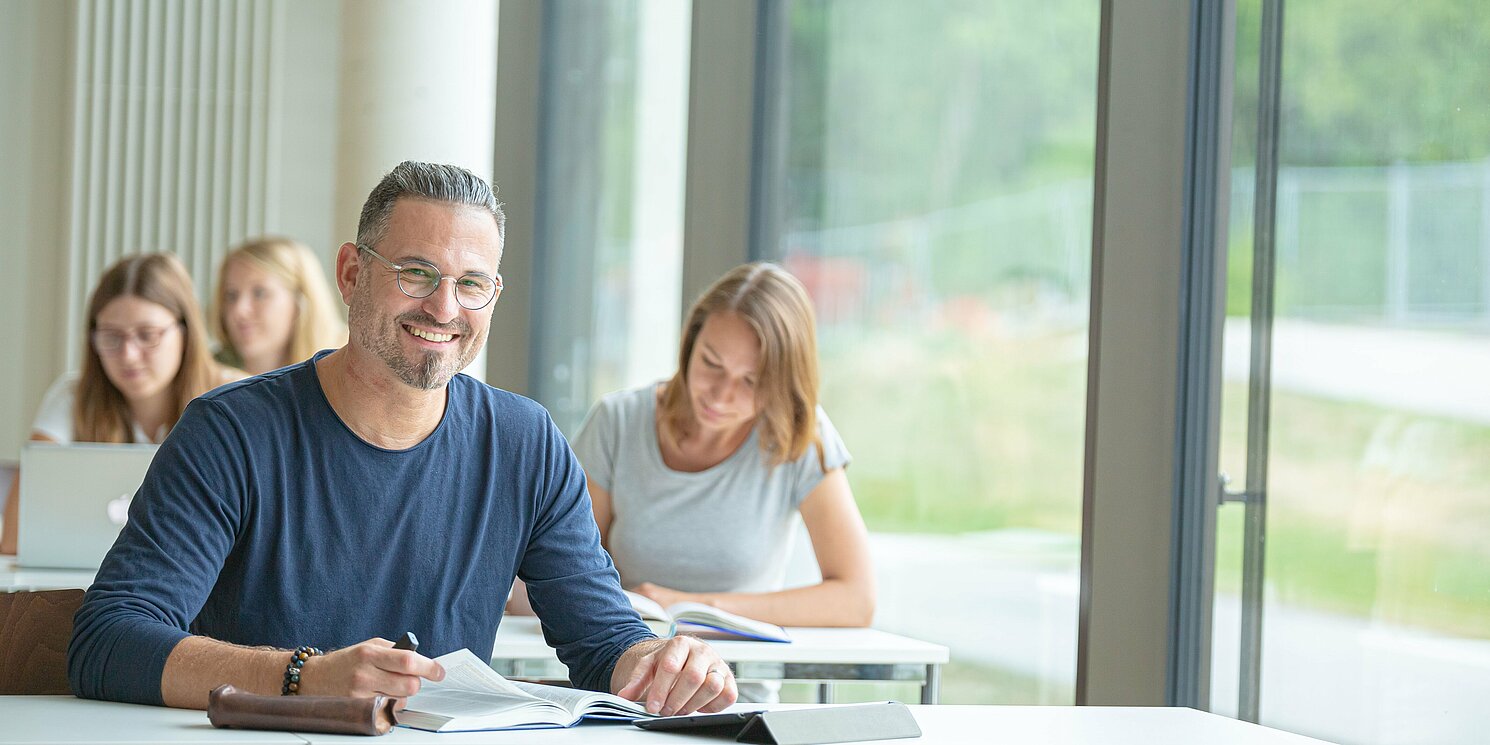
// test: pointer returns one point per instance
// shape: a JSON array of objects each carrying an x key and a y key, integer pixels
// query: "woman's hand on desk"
[
  {"x": 680, "y": 675},
  {"x": 371, "y": 668}
]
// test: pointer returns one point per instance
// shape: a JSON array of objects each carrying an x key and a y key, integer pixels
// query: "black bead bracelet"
[{"x": 292, "y": 671}]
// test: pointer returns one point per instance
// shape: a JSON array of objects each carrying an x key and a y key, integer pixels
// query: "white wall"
[
  {"x": 33, "y": 61},
  {"x": 347, "y": 98}
]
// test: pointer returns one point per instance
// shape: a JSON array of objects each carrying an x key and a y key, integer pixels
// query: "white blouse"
[{"x": 54, "y": 417}]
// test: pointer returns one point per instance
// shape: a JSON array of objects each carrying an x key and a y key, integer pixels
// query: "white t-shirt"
[{"x": 54, "y": 417}]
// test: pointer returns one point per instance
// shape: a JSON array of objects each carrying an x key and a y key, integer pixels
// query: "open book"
[
  {"x": 475, "y": 697},
  {"x": 703, "y": 620}
]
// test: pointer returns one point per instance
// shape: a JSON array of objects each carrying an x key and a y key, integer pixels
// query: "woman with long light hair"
[
  {"x": 697, "y": 481},
  {"x": 145, "y": 356},
  {"x": 273, "y": 306}
]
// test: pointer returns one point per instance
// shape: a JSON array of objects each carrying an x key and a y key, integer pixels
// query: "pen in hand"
[
  {"x": 411, "y": 643},
  {"x": 407, "y": 641}
]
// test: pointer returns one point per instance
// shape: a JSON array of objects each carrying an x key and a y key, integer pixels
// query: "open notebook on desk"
[
  {"x": 474, "y": 697},
  {"x": 704, "y": 621}
]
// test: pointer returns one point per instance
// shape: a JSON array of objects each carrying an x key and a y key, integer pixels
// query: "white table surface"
[
  {"x": 63, "y": 719},
  {"x": 14, "y": 578},
  {"x": 519, "y": 638}
]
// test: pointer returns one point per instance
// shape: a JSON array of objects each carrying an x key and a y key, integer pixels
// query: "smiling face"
[
  {"x": 258, "y": 312},
  {"x": 423, "y": 341},
  {"x": 139, "y": 371},
  {"x": 723, "y": 374}
]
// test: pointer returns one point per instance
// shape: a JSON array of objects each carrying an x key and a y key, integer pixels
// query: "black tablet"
[{"x": 727, "y": 723}]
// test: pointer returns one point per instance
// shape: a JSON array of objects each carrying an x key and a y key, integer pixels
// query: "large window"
[
  {"x": 928, "y": 175},
  {"x": 609, "y": 225},
  {"x": 1376, "y": 588}
]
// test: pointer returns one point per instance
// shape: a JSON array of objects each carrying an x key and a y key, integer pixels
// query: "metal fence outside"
[{"x": 1398, "y": 245}]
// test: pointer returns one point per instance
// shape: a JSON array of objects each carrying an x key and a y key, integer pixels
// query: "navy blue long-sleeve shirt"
[{"x": 264, "y": 520}]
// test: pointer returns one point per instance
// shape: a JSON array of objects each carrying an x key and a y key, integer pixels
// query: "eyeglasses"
[
  {"x": 110, "y": 341},
  {"x": 419, "y": 279}
]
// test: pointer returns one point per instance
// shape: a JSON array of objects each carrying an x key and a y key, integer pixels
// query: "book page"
[
  {"x": 453, "y": 703},
  {"x": 579, "y": 702},
  {"x": 707, "y": 615},
  {"x": 465, "y": 671},
  {"x": 475, "y": 697}
]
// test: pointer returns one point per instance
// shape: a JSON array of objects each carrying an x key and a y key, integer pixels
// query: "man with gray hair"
[{"x": 368, "y": 491}]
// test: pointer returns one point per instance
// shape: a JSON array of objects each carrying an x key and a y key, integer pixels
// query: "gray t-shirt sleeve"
[
  {"x": 595, "y": 445},
  {"x": 807, "y": 472}
]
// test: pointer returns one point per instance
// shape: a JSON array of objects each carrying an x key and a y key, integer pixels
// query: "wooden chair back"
[{"x": 34, "y": 630}]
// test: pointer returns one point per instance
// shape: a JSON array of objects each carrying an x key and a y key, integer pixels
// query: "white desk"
[
  {"x": 14, "y": 578},
  {"x": 814, "y": 655},
  {"x": 820, "y": 656},
  {"x": 59, "y": 719}
]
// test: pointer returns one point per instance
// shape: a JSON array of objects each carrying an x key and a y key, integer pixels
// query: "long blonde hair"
[
  {"x": 317, "y": 324},
  {"x": 777, "y": 307},
  {"x": 101, "y": 413}
]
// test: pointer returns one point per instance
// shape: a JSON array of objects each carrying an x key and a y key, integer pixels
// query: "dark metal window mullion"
[
  {"x": 1202, "y": 315},
  {"x": 1259, "y": 397}
]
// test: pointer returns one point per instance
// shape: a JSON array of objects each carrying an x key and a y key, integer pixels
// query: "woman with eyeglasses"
[
  {"x": 145, "y": 357},
  {"x": 273, "y": 306}
]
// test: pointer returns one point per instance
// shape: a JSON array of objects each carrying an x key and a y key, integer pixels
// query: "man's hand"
[
  {"x": 371, "y": 668},
  {"x": 680, "y": 675},
  {"x": 198, "y": 664}
]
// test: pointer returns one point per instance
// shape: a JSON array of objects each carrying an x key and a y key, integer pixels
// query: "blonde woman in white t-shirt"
[{"x": 145, "y": 357}]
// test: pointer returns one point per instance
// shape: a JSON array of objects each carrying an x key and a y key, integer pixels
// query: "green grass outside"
[
  {"x": 949, "y": 437},
  {"x": 1378, "y": 513},
  {"x": 1372, "y": 512}
]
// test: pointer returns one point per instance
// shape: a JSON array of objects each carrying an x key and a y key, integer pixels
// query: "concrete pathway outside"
[{"x": 1441, "y": 373}]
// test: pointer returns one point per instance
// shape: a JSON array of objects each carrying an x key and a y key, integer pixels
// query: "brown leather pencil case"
[{"x": 229, "y": 707}]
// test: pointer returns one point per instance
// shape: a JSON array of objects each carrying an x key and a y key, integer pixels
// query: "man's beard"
[{"x": 429, "y": 370}]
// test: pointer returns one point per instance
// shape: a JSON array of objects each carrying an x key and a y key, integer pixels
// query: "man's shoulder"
[
  {"x": 502, "y": 403},
  {"x": 267, "y": 388},
  {"x": 268, "y": 403}
]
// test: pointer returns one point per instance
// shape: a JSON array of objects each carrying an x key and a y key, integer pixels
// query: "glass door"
[
  {"x": 609, "y": 232},
  {"x": 1353, "y": 557}
]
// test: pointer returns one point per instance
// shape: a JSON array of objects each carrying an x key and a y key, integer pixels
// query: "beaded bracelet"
[{"x": 292, "y": 670}]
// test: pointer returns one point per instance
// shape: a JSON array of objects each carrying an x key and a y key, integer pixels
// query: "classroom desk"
[
  {"x": 14, "y": 578},
  {"x": 58, "y": 719},
  {"x": 820, "y": 656}
]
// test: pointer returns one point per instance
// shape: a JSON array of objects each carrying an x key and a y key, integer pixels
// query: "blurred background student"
[
  {"x": 696, "y": 481},
  {"x": 144, "y": 358},
  {"x": 273, "y": 306}
]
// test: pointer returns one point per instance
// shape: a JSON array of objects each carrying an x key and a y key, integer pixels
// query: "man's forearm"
[{"x": 198, "y": 664}]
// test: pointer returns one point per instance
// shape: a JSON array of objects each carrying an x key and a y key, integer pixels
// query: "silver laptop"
[{"x": 74, "y": 500}]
